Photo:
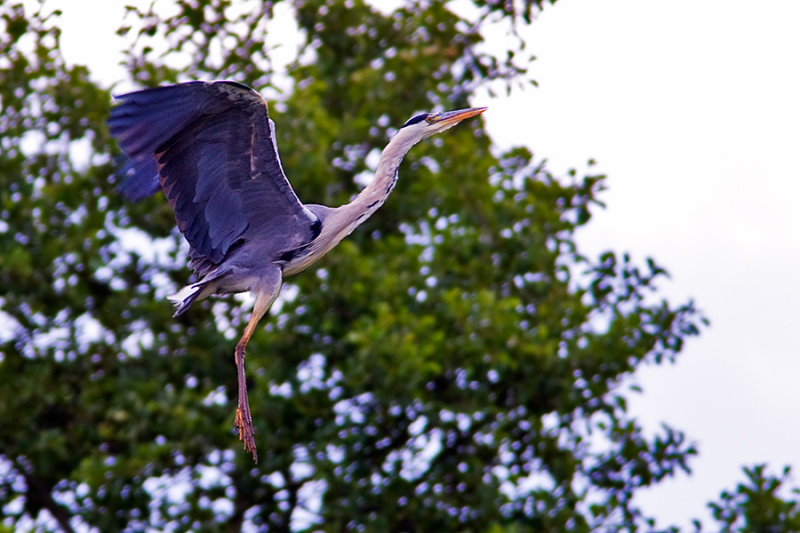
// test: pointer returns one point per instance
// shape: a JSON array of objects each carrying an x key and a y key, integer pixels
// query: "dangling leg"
[{"x": 243, "y": 423}]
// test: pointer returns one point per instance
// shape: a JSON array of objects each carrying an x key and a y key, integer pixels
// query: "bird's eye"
[
  {"x": 430, "y": 119},
  {"x": 418, "y": 118}
]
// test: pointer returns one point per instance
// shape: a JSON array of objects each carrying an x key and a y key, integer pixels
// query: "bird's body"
[{"x": 210, "y": 148}]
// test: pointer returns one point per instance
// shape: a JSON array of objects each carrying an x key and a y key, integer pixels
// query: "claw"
[{"x": 244, "y": 427}]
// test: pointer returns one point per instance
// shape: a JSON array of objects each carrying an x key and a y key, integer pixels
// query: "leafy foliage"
[
  {"x": 759, "y": 504},
  {"x": 456, "y": 364}
]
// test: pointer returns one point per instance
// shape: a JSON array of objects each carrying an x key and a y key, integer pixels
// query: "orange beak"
[{"x": 451, "y": 118}]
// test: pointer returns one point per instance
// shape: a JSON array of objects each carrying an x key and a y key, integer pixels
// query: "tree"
[
  {"x": 456, "y": 364},
  {"x": 759, "y": 504}
]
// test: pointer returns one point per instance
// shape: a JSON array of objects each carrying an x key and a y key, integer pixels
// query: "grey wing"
[{"x": 210, "y": 148}]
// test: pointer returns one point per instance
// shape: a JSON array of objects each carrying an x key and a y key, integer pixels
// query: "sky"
[{"x": 692, "y": 110}]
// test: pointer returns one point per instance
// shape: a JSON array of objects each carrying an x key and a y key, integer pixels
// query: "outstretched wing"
[{"x": 210, "y": 147}]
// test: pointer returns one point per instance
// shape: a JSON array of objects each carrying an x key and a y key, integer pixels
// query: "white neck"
[{"x": 344, "y": 219}]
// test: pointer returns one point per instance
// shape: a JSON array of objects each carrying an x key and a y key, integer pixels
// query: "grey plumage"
[{"x": 210, "y": 148}]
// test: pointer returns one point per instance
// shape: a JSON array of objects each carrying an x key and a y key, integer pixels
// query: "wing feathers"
[{"x": 210, "y": 149}]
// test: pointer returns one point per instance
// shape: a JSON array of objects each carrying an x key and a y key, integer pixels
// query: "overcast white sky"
[{"x": 693, "y": 110}]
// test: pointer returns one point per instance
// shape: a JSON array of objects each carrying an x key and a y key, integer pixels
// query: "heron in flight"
[{"x": 210, "y": 148}]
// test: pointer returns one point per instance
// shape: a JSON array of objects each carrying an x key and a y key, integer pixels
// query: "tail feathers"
[{"x": 185, "y": 297}]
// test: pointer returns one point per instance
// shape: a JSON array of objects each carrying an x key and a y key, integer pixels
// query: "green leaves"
[
  {"x": 455, "y": 364},
  {"x": 761, "y": 503}
]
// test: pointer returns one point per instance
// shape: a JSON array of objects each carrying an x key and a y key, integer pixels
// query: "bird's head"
[{"x": 427, "y": 124}]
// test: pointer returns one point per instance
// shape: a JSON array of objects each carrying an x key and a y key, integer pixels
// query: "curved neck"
[
  {"x": 375, "y": 193},
  {"x": 341, "y": 221}
]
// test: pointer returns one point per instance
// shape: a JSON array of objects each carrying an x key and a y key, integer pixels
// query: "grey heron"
[{"x": 210, "y": 148}]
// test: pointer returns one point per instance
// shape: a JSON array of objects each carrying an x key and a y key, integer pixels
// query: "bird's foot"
[
  {"x": 244, "y": 426},
  {"x": 243, "y": 421}
]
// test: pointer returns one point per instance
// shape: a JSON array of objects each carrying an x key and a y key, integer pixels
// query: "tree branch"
[{"x": 40, "y": 495}]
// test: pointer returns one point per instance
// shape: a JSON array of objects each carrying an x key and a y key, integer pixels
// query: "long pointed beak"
[{"x": 451, "y": 118}]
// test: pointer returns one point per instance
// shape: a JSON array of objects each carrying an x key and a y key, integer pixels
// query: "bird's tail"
[{"x": 185, "y": 297}]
